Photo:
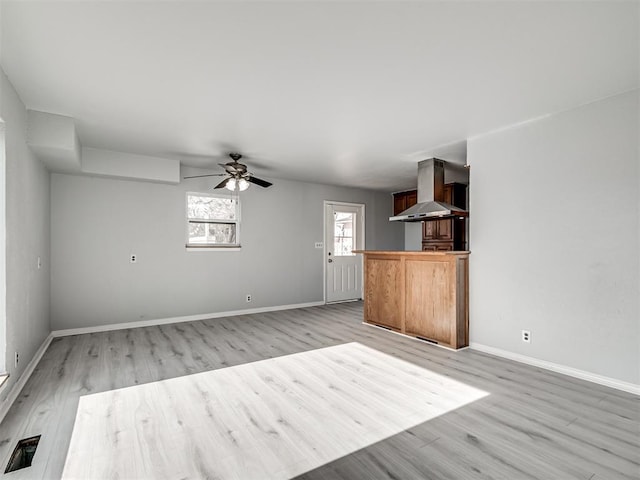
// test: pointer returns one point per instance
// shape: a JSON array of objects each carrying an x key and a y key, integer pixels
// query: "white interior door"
[{"x": 344, "y": 227}]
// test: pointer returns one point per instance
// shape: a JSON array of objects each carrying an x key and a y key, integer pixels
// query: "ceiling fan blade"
[
  {"x": 222, "y": 184},
  {"x": 258, "y": 181},
  {"x": 229, "y": 167},
  {"x": 210, "y": 175}
]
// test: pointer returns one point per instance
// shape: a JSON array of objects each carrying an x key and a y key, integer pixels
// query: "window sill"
[{"x": 211, "y": 248}]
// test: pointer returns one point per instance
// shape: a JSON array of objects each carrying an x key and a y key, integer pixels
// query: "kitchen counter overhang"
[{"x": 421, "y": 294}]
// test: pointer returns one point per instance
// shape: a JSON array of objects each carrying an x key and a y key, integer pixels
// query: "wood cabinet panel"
[
  {"x": 429, "y": 231},
  {"x": 429, "y": 299},
  {"x": 383, "y": 285},
  {"x": 411, "y": 198},
  {"x": 404, "y": 200},
  {"x": 445, "y": 229},
  {"x": 399, "y": 202},
  {"x": 437, "y": 247}
]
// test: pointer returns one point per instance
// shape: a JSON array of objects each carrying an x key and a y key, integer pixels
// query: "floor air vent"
[{"x": 22, "y": 455}]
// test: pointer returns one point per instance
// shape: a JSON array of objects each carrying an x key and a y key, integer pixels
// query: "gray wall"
[
  {"x": 27, "y": 237},
  {"x": 413, "y": 236},
  {"x": 98, "y": 223},
  {"x": 555, "y": 231}
]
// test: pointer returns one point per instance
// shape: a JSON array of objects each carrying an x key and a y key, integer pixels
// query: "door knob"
[{"x": 330, "y": 260}]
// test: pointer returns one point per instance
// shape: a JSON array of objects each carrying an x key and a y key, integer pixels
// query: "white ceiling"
[{"x": 333, "y": 92}]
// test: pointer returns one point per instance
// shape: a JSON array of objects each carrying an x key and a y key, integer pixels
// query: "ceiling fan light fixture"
[
  {"x": 231, "y": 184},
  {"x": 234, "y": 184},
  {"x": 243, "y": 184}
]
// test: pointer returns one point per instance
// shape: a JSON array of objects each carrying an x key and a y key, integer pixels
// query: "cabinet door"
[
  {"x": 429, "y": 247},
  {"x": 383, "y": 294},
  {"x": 429, "y": 299},
  {"x": 412, "y": 198},
  {"x": 429, "y": 230},
  {"x": 399, "y": 202},
  {"x": 438, "y": 230},
  {"x": 444, "y": 229}
]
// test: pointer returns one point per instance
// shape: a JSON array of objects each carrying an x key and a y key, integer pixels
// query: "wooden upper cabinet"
[
  {"x": 399, "y": 202},
  {"x": 404, "y": 200},
  {"x": 412, "y": 198}
]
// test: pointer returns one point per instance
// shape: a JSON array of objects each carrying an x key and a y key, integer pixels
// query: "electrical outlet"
[
  {"x": 248, "y": 298},
  {"x": 526, "y": 336},
  {"x": 133, "y": 258},
  {"x": 16, "y": 360}
]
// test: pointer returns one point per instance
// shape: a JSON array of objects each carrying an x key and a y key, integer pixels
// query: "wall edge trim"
[
  {"x": 188, "y": 318},
  {"x": 563, "y": 369},
  {"x": 22, "y": 380}
]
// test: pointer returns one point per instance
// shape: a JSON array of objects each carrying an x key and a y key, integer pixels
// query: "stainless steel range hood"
[{"x": 431, "y": 205}]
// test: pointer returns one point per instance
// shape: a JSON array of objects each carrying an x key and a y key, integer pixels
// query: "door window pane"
[{"x": 344, "y": 233}]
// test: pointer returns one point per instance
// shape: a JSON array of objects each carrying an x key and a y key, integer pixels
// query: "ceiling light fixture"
[
  {"x": 231, "y": 184},
  {"x": 243, "y": 184},
  {"x": 240, "y": 184}
]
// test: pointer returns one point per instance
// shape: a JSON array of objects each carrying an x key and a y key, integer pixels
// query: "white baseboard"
[
  {"x": 18, "y": 386},
  {"x": 188, "y": 318},
  {"x": 554, "y": 367}
]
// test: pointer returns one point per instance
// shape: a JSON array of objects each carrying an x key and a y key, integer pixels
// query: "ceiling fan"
[{"x": 238, "y": 178}]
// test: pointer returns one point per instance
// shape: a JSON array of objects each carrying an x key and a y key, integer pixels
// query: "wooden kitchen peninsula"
[{"x": 422, "y": 294}]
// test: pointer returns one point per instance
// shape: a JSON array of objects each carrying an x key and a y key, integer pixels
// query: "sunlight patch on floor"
[{"x": 275, "y": 418}]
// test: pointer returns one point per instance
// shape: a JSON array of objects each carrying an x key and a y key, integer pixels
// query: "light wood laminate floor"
[{"x": 492, "y": 418}]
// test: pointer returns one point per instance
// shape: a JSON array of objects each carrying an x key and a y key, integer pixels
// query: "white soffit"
[
  {"x": 127, "y": 166},
  {"x": 54, "y": 140}
]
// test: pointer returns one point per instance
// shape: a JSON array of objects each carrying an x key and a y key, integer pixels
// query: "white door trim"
[{"x": 361, "y": 242}]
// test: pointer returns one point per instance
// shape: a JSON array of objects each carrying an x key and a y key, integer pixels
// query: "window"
[
  {"x": 344, "y": 239},
  {"x": 212, "y": 221}
]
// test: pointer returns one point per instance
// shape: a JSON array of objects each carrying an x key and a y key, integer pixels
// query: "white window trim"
[{"x": 209, "y": 248}]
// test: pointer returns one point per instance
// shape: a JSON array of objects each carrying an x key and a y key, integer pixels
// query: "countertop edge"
[{"x": 412, "y": 253}]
